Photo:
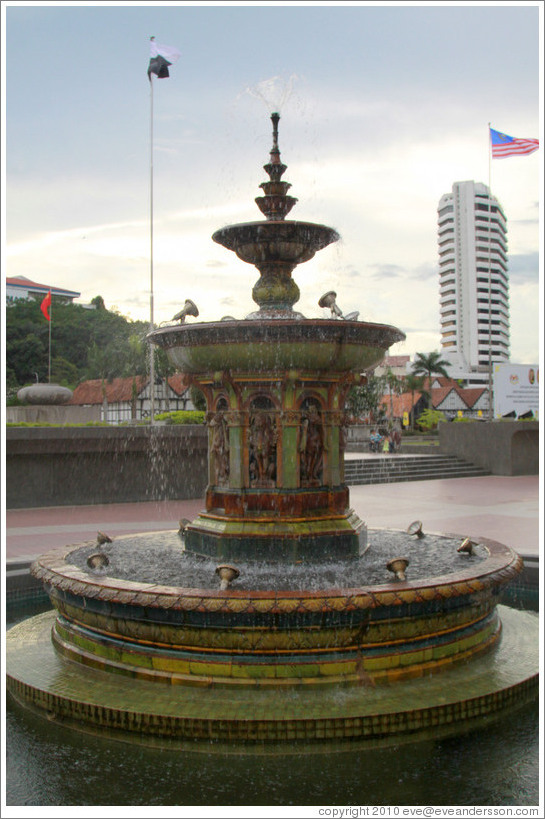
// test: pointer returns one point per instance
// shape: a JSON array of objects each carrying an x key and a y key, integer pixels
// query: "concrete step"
[{"x": 391, "y": 469}]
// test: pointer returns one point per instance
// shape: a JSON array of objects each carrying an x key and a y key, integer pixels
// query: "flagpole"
[
  {"x": 490, "y": 396},
  {"x": 161, "y": 57},
  {"x": 49, "y": 357},
  {"x": 152, "y": 359}
]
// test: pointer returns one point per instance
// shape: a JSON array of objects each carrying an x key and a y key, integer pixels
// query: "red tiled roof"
[
  {"x": 23, "y": 282},
  {"x": 401, "y": 403},
  {"x": 120, "y": 389},
  {"x": 179, "y": 382},
  {"x": 438, "y": 395},
  {"x": 471, "y": 394},
  {"x": 405, "y": 402}
]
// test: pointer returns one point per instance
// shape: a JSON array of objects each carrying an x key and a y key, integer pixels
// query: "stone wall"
[
  {"x": 52, "y": 414},
  {"x": 503, "y": 447},
  {"x": 48, "y": 466}
]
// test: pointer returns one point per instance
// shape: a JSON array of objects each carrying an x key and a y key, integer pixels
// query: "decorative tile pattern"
[{"x": 474, "y": 693}]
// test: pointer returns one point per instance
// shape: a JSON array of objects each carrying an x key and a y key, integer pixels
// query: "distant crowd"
[{"x": 381, "y": 440}]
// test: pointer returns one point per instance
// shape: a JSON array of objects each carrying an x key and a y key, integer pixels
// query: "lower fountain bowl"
[
  {"x": 466, "y": 697},
  {"x": 135, "y": 656}
]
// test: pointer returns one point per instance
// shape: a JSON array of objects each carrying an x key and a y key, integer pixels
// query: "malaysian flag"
[{"x": 504, "y": 145}]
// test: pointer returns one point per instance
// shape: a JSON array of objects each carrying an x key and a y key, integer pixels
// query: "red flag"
[{"x": 44, "y": 306}]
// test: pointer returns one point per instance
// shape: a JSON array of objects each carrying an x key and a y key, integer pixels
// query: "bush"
[
  {"x": 181, "y": 417},
  {"x": 429, "y": 419}
]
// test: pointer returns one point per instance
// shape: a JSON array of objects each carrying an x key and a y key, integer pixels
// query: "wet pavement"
[{"x": 502, "y": 508}]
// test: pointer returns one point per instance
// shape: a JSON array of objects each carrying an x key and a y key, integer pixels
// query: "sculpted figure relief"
[
  {"x": 311, "y": 446},
  {"x": 220, "y": 448},
  {"x": 263, "y": 438}
]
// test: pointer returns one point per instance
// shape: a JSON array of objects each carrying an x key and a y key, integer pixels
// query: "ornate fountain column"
[{"x": 275, "y": 384}]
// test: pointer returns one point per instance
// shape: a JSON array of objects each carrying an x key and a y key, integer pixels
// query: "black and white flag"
[{"x": 161, "y": 56}]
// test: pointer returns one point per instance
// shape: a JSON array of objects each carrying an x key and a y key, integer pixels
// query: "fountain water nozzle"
[
  {"x": 415, "y": 528},
  {"x": 183, "y": 524},
  {"x": 189, "y": 309},
  {"x": 227, "y": 575},
  {"x": 398, "y": 565},
  {"x": 98, "y": 560},
  {"x": 328, "y": 300},
  {"x": 466, "y": 547}
]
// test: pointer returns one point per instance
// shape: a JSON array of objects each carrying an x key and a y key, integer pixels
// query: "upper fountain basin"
[
  {"x": 275, "y": 345},
  {"x": 275, "y": 241}
]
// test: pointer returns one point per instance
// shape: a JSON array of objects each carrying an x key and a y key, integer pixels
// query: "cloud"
[
  {"x": 421, "y": 272},
  {"x": 386, "y": 271},
  {"x": 523, "y": 268}
]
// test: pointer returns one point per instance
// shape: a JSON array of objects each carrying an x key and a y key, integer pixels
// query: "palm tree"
[{"x": 429, "y": 365}]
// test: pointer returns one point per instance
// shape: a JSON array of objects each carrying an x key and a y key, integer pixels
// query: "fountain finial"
[
  {"x": 274, "y": 119},
  {"x": 275, "y": 205}
]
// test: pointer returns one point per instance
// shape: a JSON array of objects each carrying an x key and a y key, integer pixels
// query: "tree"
[
  {"x": 393, "y": 385},
  {"x": 197, "y": 398},
  {"x": 63, "y": 372},
  {"x": 429, "y": 419},
  {"x": 430, "y": 365},
  {"x": 364, "y": 399},
  {"x": 415, "y": 383},
  {"x": 85, "y": 343},
  {"x": 27, "y": 358}
]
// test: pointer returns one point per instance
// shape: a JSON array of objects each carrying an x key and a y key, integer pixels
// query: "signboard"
[{"x": 516, "y": 391}]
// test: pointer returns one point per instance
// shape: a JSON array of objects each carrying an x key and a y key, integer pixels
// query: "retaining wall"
[
  {"x": 52, "y": 414},
  {"x": 502, "y": 447},
  {"x": 86, "y": 465}
]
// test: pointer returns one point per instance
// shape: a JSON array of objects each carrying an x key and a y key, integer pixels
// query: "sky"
[{"x": 383, "y": 107}]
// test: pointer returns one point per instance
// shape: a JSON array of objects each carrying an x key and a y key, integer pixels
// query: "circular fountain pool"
[{"x": 282, "y": 662}]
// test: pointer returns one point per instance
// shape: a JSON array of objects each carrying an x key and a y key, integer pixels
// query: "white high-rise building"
[{"x": 473, "y": 281}]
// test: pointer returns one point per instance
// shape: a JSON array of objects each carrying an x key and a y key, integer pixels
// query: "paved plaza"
[{"x": 506, "y": 509}]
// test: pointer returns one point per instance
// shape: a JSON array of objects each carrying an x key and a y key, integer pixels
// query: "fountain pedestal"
[{"x": 275, "y": 386}]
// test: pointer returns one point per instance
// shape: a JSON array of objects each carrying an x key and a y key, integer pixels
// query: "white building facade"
[
  {"x": 20, "y": 287},
  {"x": 473, "y": 282}
]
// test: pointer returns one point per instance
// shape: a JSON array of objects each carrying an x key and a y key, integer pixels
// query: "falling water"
[{"x": 160, "y": 558}]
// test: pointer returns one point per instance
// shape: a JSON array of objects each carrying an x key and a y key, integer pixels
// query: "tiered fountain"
[{"x": 275, "y": 614}]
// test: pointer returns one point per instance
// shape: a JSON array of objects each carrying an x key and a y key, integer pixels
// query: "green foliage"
[
  {"x": 181, "y": 417},
  {"x": 429, "y": 419},
  {"x": 63, "y": 372},
  {"x": 197, "y": 398},
  {"x": 364, "y": 400},
  {"x": 429, "y": 364},
  {"x": 97, "y": 343}
]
